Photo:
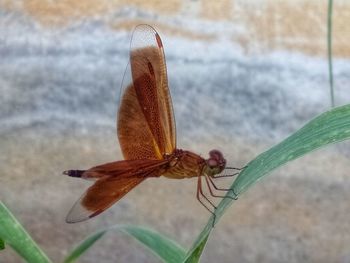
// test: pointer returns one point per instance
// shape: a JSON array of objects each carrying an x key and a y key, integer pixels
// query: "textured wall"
[
  {"x": 267, "y": 25},
  {"x": 243, "y": 75}
]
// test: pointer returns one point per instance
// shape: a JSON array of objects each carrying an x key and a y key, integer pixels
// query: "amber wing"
[
  {"x": 114, "y": 180},
  {"x": 145, "y": 124}
]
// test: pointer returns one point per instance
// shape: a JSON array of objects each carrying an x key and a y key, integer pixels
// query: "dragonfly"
[{"x": 147, "y": 137}]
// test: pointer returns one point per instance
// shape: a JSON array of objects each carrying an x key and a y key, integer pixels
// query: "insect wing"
[
  {"x": 100, "y": 196},
  {"x": 146, "y": 126},
  {"x": 114, "y": 180}
]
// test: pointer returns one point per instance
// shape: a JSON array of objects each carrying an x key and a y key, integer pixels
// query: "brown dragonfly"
[{"x": 147, "y": 137}]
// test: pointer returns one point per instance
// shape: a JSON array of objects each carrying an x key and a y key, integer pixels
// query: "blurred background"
[{"x": 243, "y": 76}]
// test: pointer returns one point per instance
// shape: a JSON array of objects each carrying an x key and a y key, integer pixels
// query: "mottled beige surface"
[
  {"x": 272, "y": 25},
  {"x": 298, "y": 214}
]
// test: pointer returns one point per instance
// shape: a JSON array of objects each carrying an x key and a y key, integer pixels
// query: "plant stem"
[{"x": 329, "y": 44}]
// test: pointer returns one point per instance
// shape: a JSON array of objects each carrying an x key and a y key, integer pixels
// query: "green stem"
[{"x": 329, "y": 44}]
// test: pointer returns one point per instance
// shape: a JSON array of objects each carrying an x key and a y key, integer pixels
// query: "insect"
[{"x": 147, "y": 137}]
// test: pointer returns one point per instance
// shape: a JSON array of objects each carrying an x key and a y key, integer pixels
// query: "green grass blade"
[
  {"x": 84, "y": 246},
  {"x": 330, "y": 127},
  {"x": 167, "y": 249},
  {"x": 196, "y": 254},
  {"x": 329, "y": 48},
  {"x": 2, "y": 244},
  {"x": 163, "y": 247},
  {"x": 14, "y": 235}
]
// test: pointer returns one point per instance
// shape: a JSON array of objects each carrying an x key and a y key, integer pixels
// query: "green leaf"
[
  {"x": 329, "y": 47},
  {"x": 166, "y": 249},
  {"x": 2, "y": 244},
  {"x": 196, "y": 254},
  {"x": 12, "y": 232},
  {"x": 330, "y": 127},
  {"x": 83, "y": 246}
]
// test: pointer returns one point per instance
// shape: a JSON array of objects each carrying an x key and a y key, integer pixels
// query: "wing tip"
[
  {"x": 71, "y": 218},
  {"x": 79, "y": 213},
  {"x": 159, "y": 41}
]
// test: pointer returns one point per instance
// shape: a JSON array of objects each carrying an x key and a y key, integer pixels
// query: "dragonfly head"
[{"x": 216, "y": 163}]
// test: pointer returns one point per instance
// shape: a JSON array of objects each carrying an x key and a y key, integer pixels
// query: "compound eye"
[
  {"x": 212, "y": 163},
  {"x": 215, "y": 154}
]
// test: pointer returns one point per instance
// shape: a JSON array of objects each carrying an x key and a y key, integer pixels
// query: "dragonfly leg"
[
  {"x": 230, "y": 175},
  {"x": 199, "y": 194},
  {"x": 209, "y": 184},
  {"x": 225, "y": 175},
  {"x": 234, "y": 168},
  {"x": 222, "y": 189}
]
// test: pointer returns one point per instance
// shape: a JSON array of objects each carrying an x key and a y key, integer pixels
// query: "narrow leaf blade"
[
  {"x": 196, "y": 254},
  {"x": 12, "y": 232},
  {"x": 328, "y": 128},
  {"x": 2, "y": 244},
  {"x": 84, "y": 246},
  {"x": 163, "y": 247}
]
